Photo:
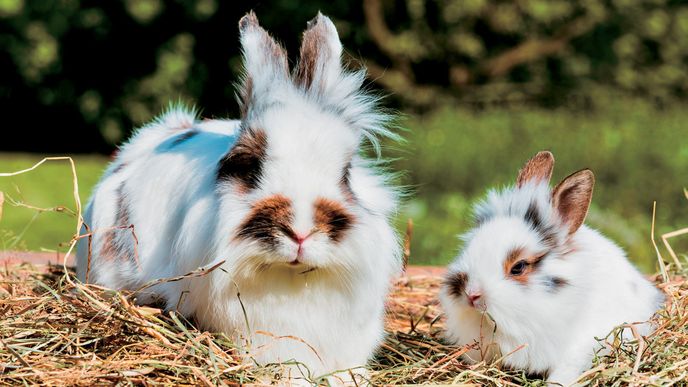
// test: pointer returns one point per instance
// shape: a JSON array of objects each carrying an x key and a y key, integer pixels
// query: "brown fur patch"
[
  {"x": 268, "y": 218},
  {"x": 272, "y": 49},
  {"x": 518, "y": 256},
  {"x": 572, "y": 197},
  {"x": 456, "y": 283},
  {"x": 332, "y": 218},
  {"x": 537, "y": 169},
  {"x": 108, "y": 248},
  {"x": 245, "y": 93},
  {"x": 115, "y": 243},
  {"x": 122, "y": 210},
  {"x": 244, "y": 161},
  {"x": 313, "y": 52}
]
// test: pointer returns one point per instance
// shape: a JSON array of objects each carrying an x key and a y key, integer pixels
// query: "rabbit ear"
[
  {"x": 538, "y": 169},
  {"x": 572, "y": 197},
  {"x": 319, "y": 62},
  {"x": 265, "y": 61}
]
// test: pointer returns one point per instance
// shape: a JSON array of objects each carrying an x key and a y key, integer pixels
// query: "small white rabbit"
[
  {"x": 536, "y": 285},
  {"x": 281, "y": 195}
]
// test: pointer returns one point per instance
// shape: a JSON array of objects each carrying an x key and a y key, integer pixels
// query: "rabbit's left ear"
[
  {"x": 572, "y": 197},
  {"x": 319, "y": 65},
  {"x": 538, "y": 169},
  {"x": 265, "y": 62}
]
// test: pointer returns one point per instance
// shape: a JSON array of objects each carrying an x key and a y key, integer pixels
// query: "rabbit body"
[
  {"x": 537, "y": 286},
  {"x": 298, "y": 221}
]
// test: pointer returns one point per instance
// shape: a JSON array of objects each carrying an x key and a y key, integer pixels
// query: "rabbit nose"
[
  {"x": 473, "y": 297},
  {"x": 299, "y": 239}
]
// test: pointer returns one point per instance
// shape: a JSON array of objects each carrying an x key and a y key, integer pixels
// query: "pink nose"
[
  {"x": 299, "y": 239},
  {"x": 473, "y": 297}
]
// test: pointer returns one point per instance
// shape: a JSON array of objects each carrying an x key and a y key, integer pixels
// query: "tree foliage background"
[
  {"x": 483, "y": 84},
  {"x": 84, "y": 73}
]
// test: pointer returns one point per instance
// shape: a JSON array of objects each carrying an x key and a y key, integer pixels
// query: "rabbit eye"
[{"x": 518, "y": 268}]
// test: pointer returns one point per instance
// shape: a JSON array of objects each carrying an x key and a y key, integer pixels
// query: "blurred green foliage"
[
  {"x": 106, "y": 67},
  {"x": 98, "y": 69},
  {"x": 487, "y": 51}
]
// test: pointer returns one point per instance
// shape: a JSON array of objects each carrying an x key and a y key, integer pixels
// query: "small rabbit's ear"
[
  {"x": 319, "y": 63},
  {"x": 538, "y": 169},
  {"x": 572, "y": 197},
  {"x": 265, "y": 61}
]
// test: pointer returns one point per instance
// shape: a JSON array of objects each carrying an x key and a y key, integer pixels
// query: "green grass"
[
  {"x": 639, "y": 154},
  {"x": 49, "y": 186}
]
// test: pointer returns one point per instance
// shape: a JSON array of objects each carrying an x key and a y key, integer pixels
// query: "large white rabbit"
[
  {"x": 282, "y": 195},
  {"x": 536, "y": 285}
]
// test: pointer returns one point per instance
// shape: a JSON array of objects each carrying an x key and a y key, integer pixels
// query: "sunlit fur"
[
  {"x": 555, "y": 323},
  {"x": 326, "y": 312}
]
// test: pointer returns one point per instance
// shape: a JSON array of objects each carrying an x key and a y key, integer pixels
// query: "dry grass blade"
[
  {"x": 660, "y": 259},
  {"x": 201, "y": 271},
  {"x": 665, "y": 239},
  {"x": 75, "y": 183},
  {"x": 407, "y": 242}
]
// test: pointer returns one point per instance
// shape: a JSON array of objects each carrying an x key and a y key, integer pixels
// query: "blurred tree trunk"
[{"x": 400, "y": 77}]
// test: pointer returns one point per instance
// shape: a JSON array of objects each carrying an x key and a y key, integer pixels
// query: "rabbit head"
[
  {"x": 292, "y": 172},
  {"x": 511, "y": 264}
]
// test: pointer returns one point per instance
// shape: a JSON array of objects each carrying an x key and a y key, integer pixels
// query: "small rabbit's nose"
[{"x": 473, "y": 297}]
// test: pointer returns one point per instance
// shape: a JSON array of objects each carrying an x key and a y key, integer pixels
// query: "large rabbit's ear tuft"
[
  {"x": 319, "y": 65},
  {"x": 537, "y": 170},
  {"x": 265, "y": 61}
]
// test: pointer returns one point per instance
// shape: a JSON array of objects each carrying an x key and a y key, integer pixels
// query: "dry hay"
[{"x": 57, "y": 331}]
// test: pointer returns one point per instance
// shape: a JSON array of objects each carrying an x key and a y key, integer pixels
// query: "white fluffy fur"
[
  {"x": 330, "y": 318},
  {"x": 557, "y": 326}
]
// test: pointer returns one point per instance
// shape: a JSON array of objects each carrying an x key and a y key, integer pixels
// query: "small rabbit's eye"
[{"x": 518, "y": 268}]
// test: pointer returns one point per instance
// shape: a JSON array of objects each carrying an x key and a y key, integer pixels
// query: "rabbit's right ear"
[
  {"x": 265, "y": 62},
  {"x": 319, "y": 64},
  {"x": 572, "y": 197},
  {"x": 538, "y": 169}
]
